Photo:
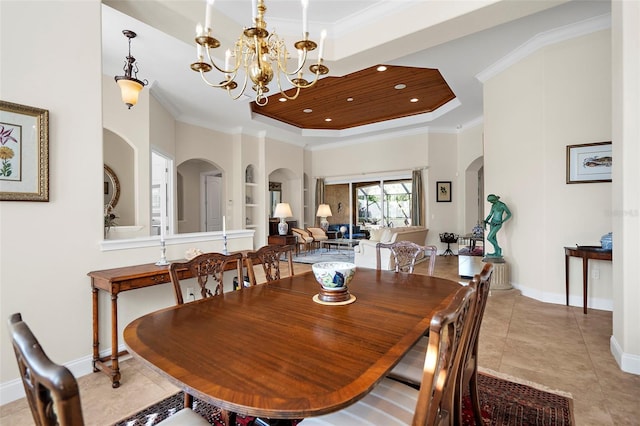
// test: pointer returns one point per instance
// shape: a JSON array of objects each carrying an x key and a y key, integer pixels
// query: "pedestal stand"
[{"x": 500, "y": 276}]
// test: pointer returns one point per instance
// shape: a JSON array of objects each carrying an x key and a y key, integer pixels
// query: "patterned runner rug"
[{"x": 504, "y": 402}]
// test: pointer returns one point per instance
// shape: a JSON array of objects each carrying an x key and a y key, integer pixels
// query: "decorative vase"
[{"x": 283, "y": 227}]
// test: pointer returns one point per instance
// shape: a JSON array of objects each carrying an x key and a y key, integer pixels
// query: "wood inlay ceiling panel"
[{"x": 374, "y": 98}]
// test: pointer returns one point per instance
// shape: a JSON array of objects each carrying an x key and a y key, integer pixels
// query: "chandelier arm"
[
  {"x": 294, "y": 83},
  {"x": 208, "y": 83},
  {"x": 297, "y": 70},
  {"x": 241, "y": 92},
  {"x": 212, "y": 62},
  {"x": 282, "y": 92}
]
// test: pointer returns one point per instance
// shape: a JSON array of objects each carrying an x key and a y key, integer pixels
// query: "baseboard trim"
[
  {"x": 13, "y": 390},
  {"x": 560, "y": 299},
  {"x": 629, "y": 363}
]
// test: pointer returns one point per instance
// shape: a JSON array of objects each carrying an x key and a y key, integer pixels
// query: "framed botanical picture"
[
  {"x": 24, "y": 153},
  {"x": 590, "y": 162},
  {"x": 443, "y": 191}
]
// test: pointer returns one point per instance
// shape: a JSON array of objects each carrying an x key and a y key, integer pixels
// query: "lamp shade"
[
  {"x": 282, "y": 210},
  {"x": 324, "y": 210},
  {"x": 130, "y": 89}
]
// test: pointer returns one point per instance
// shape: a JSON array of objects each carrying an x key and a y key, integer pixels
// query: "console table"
[
  {"x": 114, "y": 281},
  {"x": 586, "y": 253}
]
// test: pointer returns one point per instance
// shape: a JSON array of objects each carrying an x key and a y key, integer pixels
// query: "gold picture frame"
[{"x": 24, "y": 153}]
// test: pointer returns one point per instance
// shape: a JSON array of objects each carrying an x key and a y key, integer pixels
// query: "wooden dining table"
[{"x": 271, "y": 351}]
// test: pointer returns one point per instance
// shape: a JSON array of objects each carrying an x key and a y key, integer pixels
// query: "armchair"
[
  {"x": 318, "y": 235},
  {"x": 305, "y": 240}
]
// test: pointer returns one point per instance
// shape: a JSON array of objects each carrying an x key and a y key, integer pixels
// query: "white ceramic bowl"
[{"x": 334, "y": 275}]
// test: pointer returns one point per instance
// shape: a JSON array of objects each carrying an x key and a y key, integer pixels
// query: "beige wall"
[
  {"x": 48, "y": 248},
  {"x": 625, "y": 342},
  {"x": 556, "y": 97}
]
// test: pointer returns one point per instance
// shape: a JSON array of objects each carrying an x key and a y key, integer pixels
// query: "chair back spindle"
[
  {"x": 203, "y": 267},
  {"x": 406, "y": 253},
  {"x": 270, "y": 257}
]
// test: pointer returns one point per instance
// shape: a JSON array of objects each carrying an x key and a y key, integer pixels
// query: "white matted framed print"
[
  {"x": 24, "y": 153},
  {"x": 590, "y": 162},
  {"x": 443, "y": 191}
]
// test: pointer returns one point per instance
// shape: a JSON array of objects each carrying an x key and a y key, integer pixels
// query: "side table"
[
  {"x": 284, "y": 240},
  {"x": 586, "y": 253}
]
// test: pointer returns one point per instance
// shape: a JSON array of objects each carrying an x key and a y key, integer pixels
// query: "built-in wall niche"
[
  {"x": 275, "y": 196},
  {"x": 290, "y": 192},
  {"x": 250, "y": 198}
]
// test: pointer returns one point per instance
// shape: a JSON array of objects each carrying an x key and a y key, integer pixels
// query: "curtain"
[
  {"x": 319, "y": 195},
  {"x": 417, "y": 198}
]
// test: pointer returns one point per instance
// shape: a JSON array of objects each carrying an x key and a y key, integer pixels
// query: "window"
[{"x": 389, "y": 206}]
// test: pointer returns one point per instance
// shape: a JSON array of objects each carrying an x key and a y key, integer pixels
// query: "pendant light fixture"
[{"x": 130, "y": 86}]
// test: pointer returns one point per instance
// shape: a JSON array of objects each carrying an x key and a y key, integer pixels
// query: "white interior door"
[{"x": 213, "y": 203}]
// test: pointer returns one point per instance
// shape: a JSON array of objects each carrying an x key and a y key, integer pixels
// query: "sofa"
[
  {"x": 365, "y": 251},
  {"x": 358, "y": 232}
]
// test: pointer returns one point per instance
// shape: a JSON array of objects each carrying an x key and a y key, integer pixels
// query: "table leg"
[
  {"x": 585, "y": 276},
  {"x": 566, "y": 277},
  {"x": 115, "y": 373},
  {"x": 96, "y": 343}
]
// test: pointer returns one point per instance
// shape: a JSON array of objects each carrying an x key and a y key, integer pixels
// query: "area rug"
[
  {"x": 504, "y": 402},
  {"x": 321, "y": 255}
]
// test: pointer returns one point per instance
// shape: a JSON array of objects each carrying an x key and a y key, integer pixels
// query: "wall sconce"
[
  {"x": 130, "y": 86},
  {"x": 283, "y": 210},
  {"x": 323, "y": 211}
]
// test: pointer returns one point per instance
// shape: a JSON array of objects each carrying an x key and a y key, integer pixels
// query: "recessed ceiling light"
[
  {"x": 283, "y": 99},
  {"x": 307, "y": 110},
  {"x": 381, "y": 68},
  {"x": 414, "y": 99},
  {"x": 349, "y": 99},
  {"x": 327, "y": 119},
  {"x": 400, "y": 86}
]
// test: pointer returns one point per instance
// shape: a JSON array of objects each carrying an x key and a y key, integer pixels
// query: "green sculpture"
[{"x": 498, "y": 215}]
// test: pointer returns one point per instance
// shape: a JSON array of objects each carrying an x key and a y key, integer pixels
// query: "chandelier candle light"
[{"x": 260, "y": 54}]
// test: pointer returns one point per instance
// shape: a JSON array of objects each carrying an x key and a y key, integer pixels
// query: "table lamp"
[
  {"x": 323, "y": 211},
  {"x": 283, "y": 210}
]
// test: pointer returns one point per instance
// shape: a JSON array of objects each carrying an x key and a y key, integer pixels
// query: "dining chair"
[
  {"x": 394, "y": 403},
  {"x": 269, "y": 256},
  {"x": 409, "y": 369},
  {"x": 468, "y": 380},
  {"x": 203, "y": 267},
  {"x": 51, "y": 389},
  {"x": 406, "y": 253}
]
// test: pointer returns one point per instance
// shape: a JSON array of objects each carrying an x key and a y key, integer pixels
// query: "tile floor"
[{"x": 553, "y": 345}]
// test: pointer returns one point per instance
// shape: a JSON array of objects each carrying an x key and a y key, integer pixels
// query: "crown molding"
[{"x": 544, "y": 39}]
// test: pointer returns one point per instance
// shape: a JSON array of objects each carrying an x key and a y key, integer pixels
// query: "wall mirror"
[
  {"x": 111, "y": 187},
  {"x": 275, "y": 196}
]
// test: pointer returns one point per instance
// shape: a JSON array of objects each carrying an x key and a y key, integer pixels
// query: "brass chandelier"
[{"x": 260, "y": 54}]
